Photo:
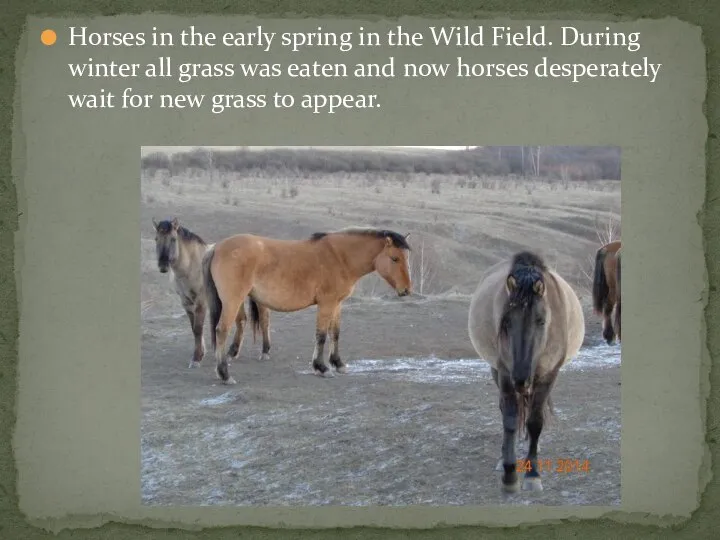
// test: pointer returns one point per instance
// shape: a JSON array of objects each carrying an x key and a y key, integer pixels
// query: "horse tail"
[
  {"x": 523, "y": 401},
  {"x": 524, "y": 405},
  {"x": 214, "y": 304},
  {"x": 619, "y": 297},
  {"x": 600, "y": 290},
  {"x": 254, "y": 317}
]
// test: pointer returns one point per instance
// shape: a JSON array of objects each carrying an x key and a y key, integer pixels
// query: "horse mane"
[
  {"x": 398, "y": 240},
  {"x": 526, "y": 267},
  {"x": 528, "y": 259},
  {"x": 185, "y": 234}
]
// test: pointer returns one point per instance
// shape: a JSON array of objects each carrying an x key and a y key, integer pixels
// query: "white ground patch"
[{"x": 434, "y": 370}]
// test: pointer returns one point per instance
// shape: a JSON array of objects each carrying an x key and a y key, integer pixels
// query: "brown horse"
[
  {"x": 606, "y": 289},
  {"x": 290, "y": 275},
  {"x": 617, "y": 292},
  {"x": 180, "y": 252},
  {"x": 526, "y": 322}
]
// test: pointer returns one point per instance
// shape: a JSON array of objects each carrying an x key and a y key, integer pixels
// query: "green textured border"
[{"x": 12, "y": 523}]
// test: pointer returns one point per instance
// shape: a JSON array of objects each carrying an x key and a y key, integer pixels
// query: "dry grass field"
[{"x": 416, "y": 419}]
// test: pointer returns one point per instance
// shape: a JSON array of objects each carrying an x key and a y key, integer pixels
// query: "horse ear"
[
  {"x": 510, "y": 284},
  {"x": 406, "y": 236},
  {"x": 155, "y": 223},
  {"x": 388, "y": 241},
  {"x": 539, "y": 287},
  {"x": 175, "y": 224}
]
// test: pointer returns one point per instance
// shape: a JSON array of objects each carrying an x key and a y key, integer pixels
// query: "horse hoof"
[
  {"x": 193, "y": 364},
  {"x": 327, "y": 374},
  {"x": 532, "y": 484},
  {"x": 229, "y": 381},
  {"x": 511, "y": 488},
  {"x": 264, "y": 357},
  {"x": 342, "y": 369}
]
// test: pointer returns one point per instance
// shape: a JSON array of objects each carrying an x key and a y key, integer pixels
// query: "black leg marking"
[
  {"x": 197, "y": 322},
  {"x": 538, "y": 406},
  {"x": 335, "y": 359},
  {"x": 223, "y": 371},
  {"x": 608, "y": 332},
  {"x": 318, "y": 364},
  {"x": 509, "y": 408}
]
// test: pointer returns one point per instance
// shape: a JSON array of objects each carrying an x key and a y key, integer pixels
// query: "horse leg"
[
  {"x": 324, "y": 316},
  {"x": 198, "y": 321},
  {"x": 535, "y": 421},
  {"x": 264, "y": 315},
  {"x": 494, "y": 372},
  {"x": 608, "y": 332},
  {"x": 509, "y": 409},
  {"x": 236, "y": 345},
  {"x": 190, "y": 311},
  {"x": 228, "y": 316},
  {"x": 617, "y": 321},
  {"x": 335, "y": 360}
]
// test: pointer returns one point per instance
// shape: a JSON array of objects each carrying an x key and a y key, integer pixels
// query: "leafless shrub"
[
  {"x": 425, "y": 265},
  {"x": 435, "y": 186},
  {"x": 606, "y": 232}
]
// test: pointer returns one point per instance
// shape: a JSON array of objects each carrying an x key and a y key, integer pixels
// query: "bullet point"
[{"x": 48, "y": 37}]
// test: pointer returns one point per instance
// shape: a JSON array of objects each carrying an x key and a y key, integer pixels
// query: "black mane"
[
  {"x": 186, "y": 235},
  {"x": 526, "y": 268},
  {"x": 398, "y": 240},
  {"x": 528, "y": 259}
]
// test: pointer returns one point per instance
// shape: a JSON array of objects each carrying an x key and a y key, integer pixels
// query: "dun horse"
[
  {"x": 606, "y": 289},
  {"x": 291, "y": 275},
  {"x": 181, "y": 251},
  {"x": 526, "y": 322}
]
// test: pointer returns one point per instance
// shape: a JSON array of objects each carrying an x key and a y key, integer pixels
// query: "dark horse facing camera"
[{"x": 527, "y": 321}]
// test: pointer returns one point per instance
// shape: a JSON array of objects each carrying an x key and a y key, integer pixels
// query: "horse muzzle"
[
  {"x": 403, "y": 292},
  {"x": 163, "y": 268}
]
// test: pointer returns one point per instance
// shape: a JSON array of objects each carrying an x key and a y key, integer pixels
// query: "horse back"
[{"x": 612, "y": 247}]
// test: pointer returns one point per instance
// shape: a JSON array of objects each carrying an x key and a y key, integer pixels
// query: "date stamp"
[{"x": 558, "y": 466}]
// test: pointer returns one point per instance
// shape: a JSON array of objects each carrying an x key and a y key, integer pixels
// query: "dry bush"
[
  {"x": 435, "y": 186},
  {"x": 425, "y": 265}
]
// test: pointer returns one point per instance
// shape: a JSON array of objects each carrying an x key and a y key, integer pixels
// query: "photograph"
[{"x": 380, "y": 325}]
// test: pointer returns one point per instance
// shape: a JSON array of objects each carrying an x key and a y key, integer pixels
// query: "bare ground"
[{"x": 416, "y": 419}]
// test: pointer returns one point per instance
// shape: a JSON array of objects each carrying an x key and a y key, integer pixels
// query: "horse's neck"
[
  {"x": 183, "y": 264},
  {"x": 347, "y": 251}
]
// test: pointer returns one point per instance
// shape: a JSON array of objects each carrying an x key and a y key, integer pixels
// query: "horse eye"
[
  {"x": 394, "y": 259},
  {"x": 540, "y": 322}
]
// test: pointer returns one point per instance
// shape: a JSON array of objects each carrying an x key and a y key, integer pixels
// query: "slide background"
[{"x": 13, "y": 523}]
